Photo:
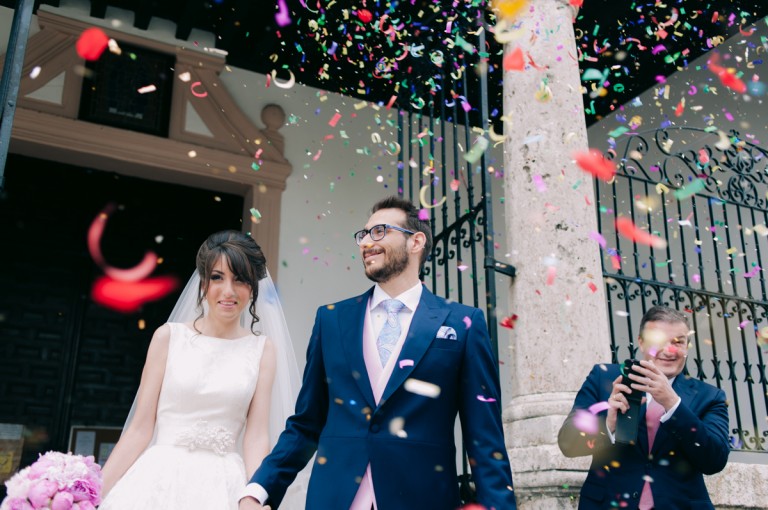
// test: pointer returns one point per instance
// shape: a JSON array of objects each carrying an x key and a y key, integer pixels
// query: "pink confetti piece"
[
  {"x": 136, "y": 273},
  {"x": 697, "y": 278},
  {"x": 585, "y": 422},
  {"x": 282, "y": 18},
  {"x": 485, "y": 399},
  {"x": 335, "y": 119},
  {"x": 551, "y": 273},
  {"x": 752, "y": 272},
  {"x": 455, "y": 185},
  {"x": 597, "y": 236},
  {"x": 406, "y": 363},
  {"x": 317, "y": 156},
  {"x": 467, "y": 322},
  {"x": 195, "y": 92},
  {"x": 742, "y": 324},
  {"x": 599, "y": 407},
  {"x": 462, "y": 267},
  {"x": 540, "y": 184},
  {"x": 424, "y": 214}
]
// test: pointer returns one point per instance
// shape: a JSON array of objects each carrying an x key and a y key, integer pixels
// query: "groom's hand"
[{"x": 249, "y": 503}]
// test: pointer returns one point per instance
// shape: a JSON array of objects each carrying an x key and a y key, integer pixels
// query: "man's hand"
[
  {"x": 617, "y": 402},
  {"x": 649, "y": 379},
  {"x": 249, "y": 503}
]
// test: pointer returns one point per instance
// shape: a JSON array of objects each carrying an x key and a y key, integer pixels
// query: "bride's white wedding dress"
[{"x": 194, "y": 460}]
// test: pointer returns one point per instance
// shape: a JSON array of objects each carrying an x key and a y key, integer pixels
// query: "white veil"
[{"x": 272, "y": 324}]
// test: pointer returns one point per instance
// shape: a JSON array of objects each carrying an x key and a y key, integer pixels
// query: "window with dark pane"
[{"x": 115, "y": 90}]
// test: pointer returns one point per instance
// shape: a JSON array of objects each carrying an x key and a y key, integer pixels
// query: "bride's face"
[{"x": 227, "y": 295}]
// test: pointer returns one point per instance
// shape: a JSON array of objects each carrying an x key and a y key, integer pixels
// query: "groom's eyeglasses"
[{"x": 378, "y": 232}]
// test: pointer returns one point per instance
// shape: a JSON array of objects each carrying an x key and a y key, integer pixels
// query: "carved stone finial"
[{"x": 273, "y": 117}]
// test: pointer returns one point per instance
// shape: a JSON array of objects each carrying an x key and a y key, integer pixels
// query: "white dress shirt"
[{"x": 375, "y": 317}]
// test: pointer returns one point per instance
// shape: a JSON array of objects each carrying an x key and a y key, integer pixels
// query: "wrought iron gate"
[
  {"x": 705, "y": 192},
  {"x": 443, "y": 166}
]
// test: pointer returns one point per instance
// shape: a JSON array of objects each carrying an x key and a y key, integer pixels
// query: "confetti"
[
  {"x": 627, "y": 228},
  {"x": 514, "y": 60},
  {"x": 477, "y": 150},
  {"x": 690, "y": 189},
  {"x": 200, "y": 94},
  {"x": 423, "y": 388},
  {"x": 147, "y": 89},
  {"x": 586, "y": 422},
  {"x": 599, "y": 407},
  {"x": 406, "y": 363},
  {"x": 593, "y": 162},
  {"x": 467, "y": 322},
  {"x": 485, "y": 399},
  {"x": 508, "y": 322},
  {"x": 91, "y": 44},
  {"x": 282, "y": 18}
]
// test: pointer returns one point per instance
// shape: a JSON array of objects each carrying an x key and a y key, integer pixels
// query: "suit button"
[
  {"x": 375, "y": 428},
  {"x": 635, "y": 495}
]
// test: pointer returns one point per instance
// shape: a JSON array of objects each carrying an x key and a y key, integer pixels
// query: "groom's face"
[{"x": 388, "y": 257}]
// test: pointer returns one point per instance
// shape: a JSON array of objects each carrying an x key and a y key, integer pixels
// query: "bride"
[{"x": 214, "y": 393}]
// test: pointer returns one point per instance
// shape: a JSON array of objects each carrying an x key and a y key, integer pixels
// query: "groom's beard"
[{"x": 395, "y": 263}]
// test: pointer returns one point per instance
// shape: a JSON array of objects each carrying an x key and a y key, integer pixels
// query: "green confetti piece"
[
  {"x": 255, "y": 213},
  {"x": 618, "y": 131},
  {"x": 255, "y": 166},
  {"x": 690, "y": 189}
]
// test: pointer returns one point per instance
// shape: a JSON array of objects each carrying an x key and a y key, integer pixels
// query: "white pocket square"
[{"x": 446, "y": 332}]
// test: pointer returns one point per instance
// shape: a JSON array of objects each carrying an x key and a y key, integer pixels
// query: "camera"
[{"x": 628, "y": 423}]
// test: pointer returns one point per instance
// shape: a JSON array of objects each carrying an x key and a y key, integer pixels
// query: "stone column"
[{"x": 558, "y": 294}]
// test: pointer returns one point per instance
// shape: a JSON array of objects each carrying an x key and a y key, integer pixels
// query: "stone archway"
[{"x": 231, "y": 154}]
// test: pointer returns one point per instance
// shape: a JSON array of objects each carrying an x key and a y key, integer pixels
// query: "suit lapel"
[
  {"x": 429, "y": 316},
  {"x": 351, "y": 324}
]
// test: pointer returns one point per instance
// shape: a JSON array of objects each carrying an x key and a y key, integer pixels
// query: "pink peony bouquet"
[{"x": 59, "y": 481}]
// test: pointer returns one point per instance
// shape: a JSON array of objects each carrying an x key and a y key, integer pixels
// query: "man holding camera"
[{"x": 657, "y": 431}]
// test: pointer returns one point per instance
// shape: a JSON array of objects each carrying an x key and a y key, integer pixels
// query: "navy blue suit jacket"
[
  {"x": 693, "y": 442},
  {"x": 337, "y": 416}
]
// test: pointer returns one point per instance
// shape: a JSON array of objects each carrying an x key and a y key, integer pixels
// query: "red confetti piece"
[
  {"x": 455, "y": 185},
  {"x": 508, "y": 322},
  {"x": 593, "y": 162},
  {"x": 726, "y": 78},
  {"x": 128, "y": 297},
  {"x": 592, "y": 287},
  {"x": 364, "y": 15},
  {"x": 615, "y": 262},
  {"x": 626, "y": 228},
  {"x": 335, "y": 119},
  {"x": 92, "y": 43},
  {"x": 514, "y": 60},
  {"x": 576, "y": 3}
]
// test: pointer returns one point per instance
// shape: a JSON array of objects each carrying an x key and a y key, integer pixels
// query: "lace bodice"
[{"x": 207, "y": 389}]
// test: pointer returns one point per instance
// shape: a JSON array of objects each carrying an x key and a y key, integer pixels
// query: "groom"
[{"x": 387, "y": 372}]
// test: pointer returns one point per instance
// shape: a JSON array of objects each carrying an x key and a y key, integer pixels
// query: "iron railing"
[{"x": 704, "y": 192}]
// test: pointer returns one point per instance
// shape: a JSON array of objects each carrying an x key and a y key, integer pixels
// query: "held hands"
[
  {"x": 647, "y": 379},
  {"x": 249, "y": 503}
]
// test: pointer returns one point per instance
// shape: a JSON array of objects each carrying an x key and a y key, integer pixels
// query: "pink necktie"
[{"x": 653, "y": 415}]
